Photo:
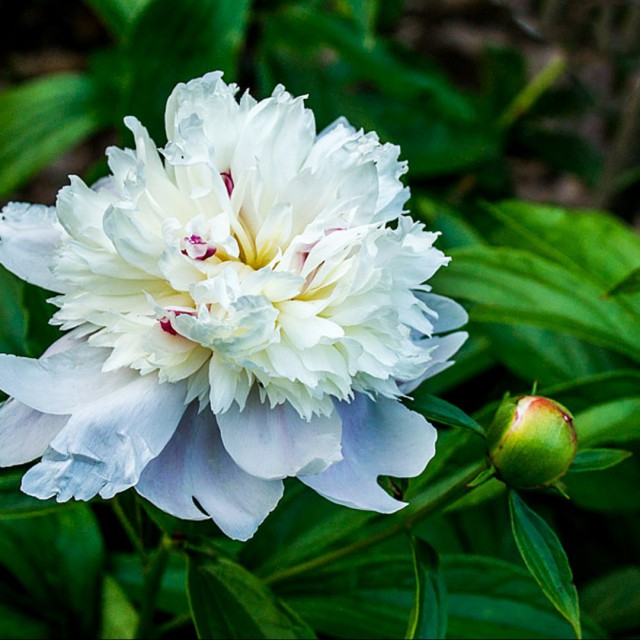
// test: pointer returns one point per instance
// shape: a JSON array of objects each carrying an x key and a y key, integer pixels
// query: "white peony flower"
[{"x": 245, "y": 305}]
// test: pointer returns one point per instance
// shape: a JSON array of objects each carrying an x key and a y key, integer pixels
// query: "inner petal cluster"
[{"x": 251, "y": 254}]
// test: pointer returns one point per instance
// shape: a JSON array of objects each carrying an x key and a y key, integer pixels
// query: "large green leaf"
[
  {"x": 41, "y": 119},
  {"x": 444, "y": 412},
  {"x": 613, "y": 601},
  {"x": 545, "y": 558},
  {"x": 612, "y": 422},
  {"x": 174, "y": 42},
  {"x": 13, "y": 314},
  {"x": 118, "y": 15},
  {"x": 548, "y": 357},
  {"x": 57, "y": 561},
  {"x": 592, "y": 243},
  {"x": 370, "y": 58},
  {"x": 519, "y": 287},
  {"x": 15, "y": 625},
  {"x": 127, "y": 570},
  {"x": 429, "y": 614},
  {"x": 14, "y": 503},
  {"x": 227, "y": 601},
  {"x": 371, "y": 596}
]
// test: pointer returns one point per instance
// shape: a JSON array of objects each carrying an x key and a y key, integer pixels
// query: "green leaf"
[
  {"x": 119, "y": 617},
  {"x": 17, "y": 625},
  {"x": 40, "y": 120},
  {"x": 118, "y": 15},
  {"x": 429, "y": 614},
  {"x": 443, "y": 412},
  {"x": 126, "y": 569},
  {"x": 57, "y": 560},
  {"x": 612, "y": 422},
  {"x": 612, "y": 600},
  {"x": 174, "y": 42},
  {"x": 227, "y": 601},
  {"x": 371, "y": 59},
  {"x": 546, "y": 356},
  {"x": 583, "y": 393},
  {"x": 14, "y": 503},
  {"x": 591, "y": 243},
  {"x": 545, "y": 558},
  {"x": 613, "y": 490},
  {"x": 14, "y": 318},
  {"x": 597, "y": 459},
  {"x": 371, "y": 595},
  {"x": 564, "y": 151},
  {"x": 519, "y": 287},
  {"x": 628, "y": 284}
]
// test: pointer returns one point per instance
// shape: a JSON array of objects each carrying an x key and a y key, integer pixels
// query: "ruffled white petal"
[
  {"x": 378, "y": 438},
  {"x": 106, "y": 444},
  {"x": 30, "y": 235},
  {"x": 194, "y": 466},
  {"x": 276, "y": 442},
  {"x": 25, "y": 433},
  {"x": 62, "y": 382}
]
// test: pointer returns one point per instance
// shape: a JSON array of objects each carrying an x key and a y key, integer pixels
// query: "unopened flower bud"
[{"x": 531, "y": 441}]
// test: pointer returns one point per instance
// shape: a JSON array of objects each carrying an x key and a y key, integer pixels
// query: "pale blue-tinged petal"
[
  {"x": 378, "y": 438},
  {"x": 444, "y": 347},
  {"x": 30, "y": 235},
  {"x": 450, "y": 314},
  {"x": 195, "y": 466},
  {"x": 25, "y": 433},
  {"x": 106, "y": 445},
  {"x": 276, "y": 442},
  {"x": 62, "y": 382}
]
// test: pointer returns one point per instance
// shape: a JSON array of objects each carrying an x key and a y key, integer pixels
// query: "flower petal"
[
  {"x": 195, "y": 465},
  {"x": 450, "y": 314},
  {"x": 62, "y": 382},
  {"x": 29, "y": 236},
  {"x": 443, "y": 348},
  {"x": 277, "y": 442},
  {"x": 378, "y": 438},
  {"x": 24, "y": 433},
  {"x": 107, "y": 443}
]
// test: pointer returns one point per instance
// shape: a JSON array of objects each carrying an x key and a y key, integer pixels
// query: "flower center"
[
  {"x": 228, "y": 181},
  {"x": 197, "y": 248},
  {"x": 165, "y": 322}
]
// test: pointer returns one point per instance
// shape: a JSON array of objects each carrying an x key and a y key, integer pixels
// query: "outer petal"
[
  {"x": 382, "y": 437},
  {"x": 450, "y": 314},
  {"x": 444, "y": 348},
  {"x": 276, "y": 442},
  {"x": 106, "y": 444},
  {"x": 62, "y": 382},
  {"x": 195, "y": 465},
  {"x": 25, "y": 433},
  {"x": 29, "y": 236}
]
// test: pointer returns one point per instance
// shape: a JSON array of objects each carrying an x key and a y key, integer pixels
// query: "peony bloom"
[{"x": 243, "y": 305}]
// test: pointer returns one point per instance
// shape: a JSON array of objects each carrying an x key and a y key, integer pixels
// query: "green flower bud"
[{"x": 531, "y": 442}]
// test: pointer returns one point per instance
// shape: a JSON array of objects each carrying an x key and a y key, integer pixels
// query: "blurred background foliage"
[{"x": 520, "y": 121}]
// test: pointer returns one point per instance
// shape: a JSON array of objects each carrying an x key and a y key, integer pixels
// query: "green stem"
[
  {"x": 129, "y": 529},
  {"x": 154, "y": 571},
  {"x": 539, "y": 84},
  {"x": 445, "y": 498}
]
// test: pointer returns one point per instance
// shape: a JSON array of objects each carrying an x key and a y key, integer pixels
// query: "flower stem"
[
  {"x": 539, "y": 84},
  {"x": 128, "y": 527},
  {"x": 153, "y": 571},
  {"x": 446, "y": 497}
]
